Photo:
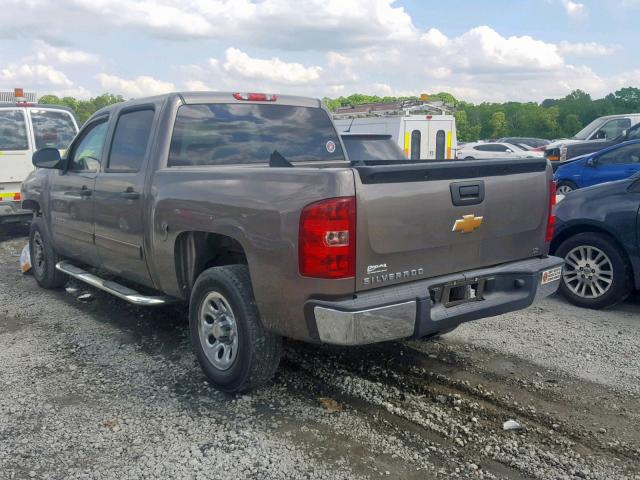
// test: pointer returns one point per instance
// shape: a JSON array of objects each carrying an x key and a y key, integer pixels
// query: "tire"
[
  {"x": 469, "y": 158},
  {"x": 233, "y": 348},
  {"x": 610, "y": 277},
  {"x": 566, "y": 186},
  {"x": 44, "y": 257}
]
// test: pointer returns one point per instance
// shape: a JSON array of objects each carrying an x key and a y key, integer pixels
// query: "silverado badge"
[{"x": 467, "y": 224}]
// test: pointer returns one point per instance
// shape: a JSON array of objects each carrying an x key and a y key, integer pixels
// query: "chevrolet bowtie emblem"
[{"x": 467, "y": 224}]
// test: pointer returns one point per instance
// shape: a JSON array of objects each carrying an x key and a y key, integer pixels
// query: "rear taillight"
[
  {"x": 255, "y": 97},
  {"x": 327, "y": 239},
  {"x": 551, "y": 219}
]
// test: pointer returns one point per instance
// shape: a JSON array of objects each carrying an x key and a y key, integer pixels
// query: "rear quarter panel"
[{"x": 260, "y": 208}]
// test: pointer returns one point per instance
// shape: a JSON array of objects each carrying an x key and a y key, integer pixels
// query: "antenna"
[{"x": 348, "y": 130}]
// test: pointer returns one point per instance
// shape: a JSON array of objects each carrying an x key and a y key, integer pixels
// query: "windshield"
[
  {"x": 372, "y": 147},
  {"x": 52, "y": 128},
  {"x": 588, "y": 130}
]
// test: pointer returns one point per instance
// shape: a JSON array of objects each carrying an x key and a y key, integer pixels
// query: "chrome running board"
[{"x": 111, "y": 287}]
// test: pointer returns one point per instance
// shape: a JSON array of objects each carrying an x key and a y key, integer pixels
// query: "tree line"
[{"x": 553, "y": 118}]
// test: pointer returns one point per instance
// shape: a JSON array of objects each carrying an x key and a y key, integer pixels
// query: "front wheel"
[
  {"x": 596, "y": 273},
  {"x": 233, "y": 348},
  {"x": 565, "y": 187},
  {"x": 44, "y": 257}
]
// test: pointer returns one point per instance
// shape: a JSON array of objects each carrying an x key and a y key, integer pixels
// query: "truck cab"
[{"x": 25, "y": 127}]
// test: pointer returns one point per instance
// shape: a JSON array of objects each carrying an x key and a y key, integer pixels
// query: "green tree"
[
  {"x": 82, "y": 109},
  {"x": 571, "y": 125},
  {"x": 499, "y": 125}
]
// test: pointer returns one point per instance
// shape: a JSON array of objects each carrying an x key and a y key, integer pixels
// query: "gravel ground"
[
  {"x": 100, "y": 389},
  {"x": 602, "y": 347}
]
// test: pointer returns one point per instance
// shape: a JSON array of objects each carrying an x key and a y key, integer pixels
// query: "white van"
[
  {"x": 24, "y": 128},
  {"x": 422, "y": 136}
]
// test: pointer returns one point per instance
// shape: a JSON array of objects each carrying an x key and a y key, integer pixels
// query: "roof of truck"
[{"x": 215, "y": 97}]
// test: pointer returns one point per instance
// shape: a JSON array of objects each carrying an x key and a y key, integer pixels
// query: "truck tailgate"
[{"x": 410, "y": 226}]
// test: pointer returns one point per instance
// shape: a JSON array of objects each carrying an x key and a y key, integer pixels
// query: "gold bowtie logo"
[{"x": 467, "y": 224}]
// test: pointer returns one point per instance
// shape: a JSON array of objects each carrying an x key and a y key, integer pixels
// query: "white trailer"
[
  {"x": 422, "y": 136},
  {"x": 24, "y": 128}
]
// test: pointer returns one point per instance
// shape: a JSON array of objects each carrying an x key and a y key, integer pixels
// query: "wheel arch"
[{"x": 195, "y": 251}]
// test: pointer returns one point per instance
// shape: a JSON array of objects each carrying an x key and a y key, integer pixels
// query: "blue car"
[{"x": 613, "y": 163}]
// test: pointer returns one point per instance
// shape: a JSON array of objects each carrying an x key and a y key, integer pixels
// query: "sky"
[{"x": 500, "y": 50}]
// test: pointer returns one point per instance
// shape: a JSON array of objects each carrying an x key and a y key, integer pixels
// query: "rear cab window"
[
  {"x": 13, "y": 130},
  {"x": 232, "y": 134},
  {"x": 372, "y": 147},
  {"x": 52, "y": 128}
]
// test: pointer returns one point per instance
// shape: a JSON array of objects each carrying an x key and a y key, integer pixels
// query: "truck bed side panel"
[{"x": 260, "y": 208}]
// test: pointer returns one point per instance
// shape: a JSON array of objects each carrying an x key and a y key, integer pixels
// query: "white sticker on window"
[{"x": 330, "y": 146}]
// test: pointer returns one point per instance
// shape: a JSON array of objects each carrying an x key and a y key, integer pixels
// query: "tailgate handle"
[{"x": 467, "y": 193}]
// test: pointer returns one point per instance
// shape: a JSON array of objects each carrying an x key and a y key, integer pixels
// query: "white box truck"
[
  {"x": 26, "y": 127},
  {"x": 422, "y": 136}
]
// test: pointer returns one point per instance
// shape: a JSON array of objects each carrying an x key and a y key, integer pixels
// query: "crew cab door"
[
  {"x": 615, "y": 164},
  {"x": 119, "y": 192},
  {"x": 71, "y": 192}
]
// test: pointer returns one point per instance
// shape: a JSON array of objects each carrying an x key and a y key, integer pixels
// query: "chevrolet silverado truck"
[{"x": 245, "y": 206}]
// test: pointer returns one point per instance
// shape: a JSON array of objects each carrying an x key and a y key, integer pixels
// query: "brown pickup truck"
[{"x": 247, "y": 207}]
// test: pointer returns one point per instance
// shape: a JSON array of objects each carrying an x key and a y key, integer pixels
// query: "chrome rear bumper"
[
  {"x": 366, "y": 326},
  {"x": 410, "y": 310}
]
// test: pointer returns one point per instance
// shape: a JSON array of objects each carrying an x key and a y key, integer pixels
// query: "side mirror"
[
  {"x": 591, "y": 162},
  {"x": 509, "y": 150},
  {"x": 601, "y": 135},
  {"x": 47, "y": 158}
]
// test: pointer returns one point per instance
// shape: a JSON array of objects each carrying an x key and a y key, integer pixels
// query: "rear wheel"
[
  {"x": 565, "y": 186},
  {"x": 233, "y": 348},
  {"x": 44, "y": 257},
  {"x": 596, "y": 272},
  {"x": 469, "y": 158}
]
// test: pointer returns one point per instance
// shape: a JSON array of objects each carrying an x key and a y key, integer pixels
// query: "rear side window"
[
  {"x": 130, "y": 140},
  {"x": 226, "y": 134},
  {"x": 52, "y": 128},
  {"x": 13, "y": 130},
  {"x": 634, "y": 133}
]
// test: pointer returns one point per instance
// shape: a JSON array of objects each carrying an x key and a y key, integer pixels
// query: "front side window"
[
  {"x": 130, "y": 140},
  {"x": 87, "y": 153},
  {"x": 613, "y": 128},
  {"x": 227, "y": 134},
  {"x": 13, "y": 130},
  {"x": 621, "y": 156},
  {"x": 52, "y": 128}
]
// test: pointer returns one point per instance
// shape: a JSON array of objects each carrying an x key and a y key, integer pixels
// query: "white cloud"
[
  {"x": 138, "y": 87},
  {"x": 272, "y": 69},
  {"x": 573, "y": 9},
  {"x": 45, "y": 52},
  {"x": 586, "y": 49},
  {"x": 34, "y": 74}
]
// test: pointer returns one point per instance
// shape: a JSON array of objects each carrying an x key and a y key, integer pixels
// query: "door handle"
[
  {"x": 85, "y": 192},
  {"x": 130, "y": 194}
]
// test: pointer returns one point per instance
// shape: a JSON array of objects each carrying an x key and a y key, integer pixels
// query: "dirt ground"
[{"x": 100, "y": 389}]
